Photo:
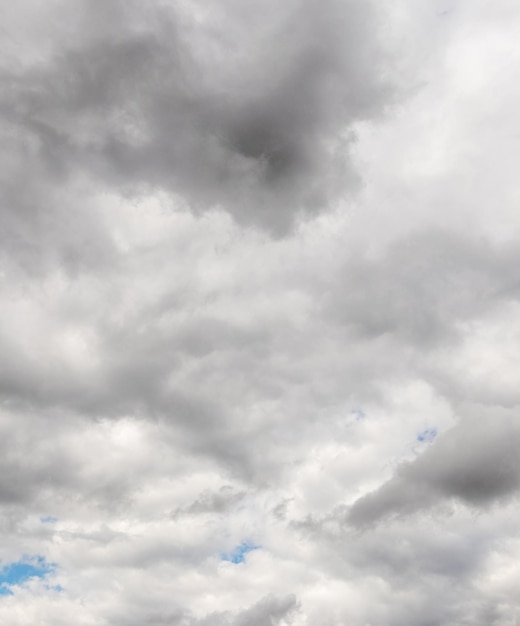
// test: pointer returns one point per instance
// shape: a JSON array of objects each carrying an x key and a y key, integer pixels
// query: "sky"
[{"x": 260, "y": 313}]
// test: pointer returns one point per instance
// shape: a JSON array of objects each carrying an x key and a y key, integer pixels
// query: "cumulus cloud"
[
  {"x": 251, "y": 110},
  {"x": 259, "y": 317},
  {"x": 476, "y": 462}
]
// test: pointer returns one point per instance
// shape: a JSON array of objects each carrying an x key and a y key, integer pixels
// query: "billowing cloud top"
[{"x": 259, "y": 315}]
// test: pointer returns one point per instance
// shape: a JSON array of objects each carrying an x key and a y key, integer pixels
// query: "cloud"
[
  {"x": 424, "y": 286},
  {"x": 476, "y": 462},
  {"x": 258, "y": 284},
  {"x": 269, "y": 611},
  {"x": 251, "y": 115},
  {"x": 16, "y": 574},
  {"x": 214, "y": 502}
]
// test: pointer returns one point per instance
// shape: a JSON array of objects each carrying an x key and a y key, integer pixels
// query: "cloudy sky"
[{"x": 260, "y": 313}]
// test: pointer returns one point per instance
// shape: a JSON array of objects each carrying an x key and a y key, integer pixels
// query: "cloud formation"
[
  {"x": 475, "y": 462},
  {"x": 259, "y": 317},
  {"x": 249, "y": 110}
]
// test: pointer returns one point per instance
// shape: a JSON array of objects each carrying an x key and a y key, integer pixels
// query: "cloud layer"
[{"x": 259, "y": 323}]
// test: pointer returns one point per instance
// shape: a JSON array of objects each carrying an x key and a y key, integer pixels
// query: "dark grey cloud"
[
  {"x": 269, "y": 611},
  {"x": 252, "y": 115},
  {"x": 476, "y": 463}
]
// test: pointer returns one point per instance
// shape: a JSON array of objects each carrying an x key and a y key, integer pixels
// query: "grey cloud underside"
[
  {"x": 255, "y": 119},
  {"x": 477, "y": 463},
  {"x": 269, "y": 611},
  {"x": 210, "y": 502}
]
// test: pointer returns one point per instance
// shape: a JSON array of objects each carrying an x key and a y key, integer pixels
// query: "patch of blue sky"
[
  {"x": 48, "y": 519},
  {"x": 428, "y": 435},
  {"x": 15, "y": 574},
  {"x": 237, "y": 555},
  {"x": 358, "y": 414}
]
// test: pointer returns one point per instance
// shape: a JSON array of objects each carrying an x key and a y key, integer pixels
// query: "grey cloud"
[
  {"x": 210, "y": 502},
  {"x": 199, "y": 373},
  {"x": 269, "y": 611},
  {"x": 423, "y": 286},
  {"x": 258, "y": 125},
  {"x": 418, "y": 560},
  {"x": 154, "y": 350},
  {"x": 44, "y": 225},
  {"x": 477, "y": 463},
  {"x": 47, "y": 466},
  {"x": 32, "y": 468}
]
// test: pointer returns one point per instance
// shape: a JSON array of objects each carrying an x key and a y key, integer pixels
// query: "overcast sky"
[{"x": 260, "y": 313}]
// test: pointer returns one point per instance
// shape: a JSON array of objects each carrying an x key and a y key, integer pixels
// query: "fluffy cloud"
[
  {"x": 259, "y": 322},
  {"x": 250, "y": 110}
]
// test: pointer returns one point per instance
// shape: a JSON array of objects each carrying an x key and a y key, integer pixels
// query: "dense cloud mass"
[
  {"x": 248, "y": 108},
  {"x": 476, "y": 462},
  {"x": 260, "y": 313}
]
